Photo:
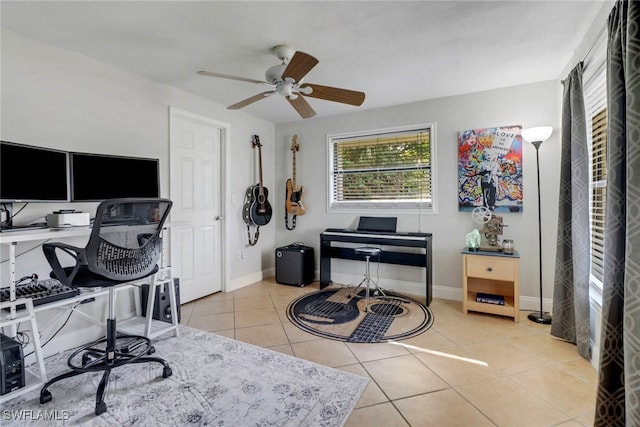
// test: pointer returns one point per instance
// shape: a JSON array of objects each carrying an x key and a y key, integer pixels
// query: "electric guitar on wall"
[
  {"x": 257, "y": 208},
  {"x": 293, "y": 201}
]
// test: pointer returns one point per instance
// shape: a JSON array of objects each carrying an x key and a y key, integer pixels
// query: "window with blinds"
[
  {"x": 595, "y": 89},
  {"x": 385, "y": 169}
]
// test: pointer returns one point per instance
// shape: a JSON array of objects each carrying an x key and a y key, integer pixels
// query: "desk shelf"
[
  {"x": 140, "y": 326},
  {"x": 145, "y": 324},
  {"x": 33, "y": 378}
]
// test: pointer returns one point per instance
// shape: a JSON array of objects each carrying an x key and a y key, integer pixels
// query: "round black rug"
[{"x": 339, "y": 314}]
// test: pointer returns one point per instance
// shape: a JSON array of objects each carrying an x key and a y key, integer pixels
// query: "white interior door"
[{"x": 196, "y": 172}]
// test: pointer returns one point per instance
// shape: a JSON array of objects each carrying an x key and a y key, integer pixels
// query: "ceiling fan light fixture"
[{"x": 285, "y": 88}]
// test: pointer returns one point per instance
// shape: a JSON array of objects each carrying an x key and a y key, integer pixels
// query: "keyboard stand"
[{"x": 331, "y": 246}]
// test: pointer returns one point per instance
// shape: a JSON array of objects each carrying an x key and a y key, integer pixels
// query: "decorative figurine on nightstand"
[
  {"x": 473, "y": 240},
  {"x": 491, "y": 227}
]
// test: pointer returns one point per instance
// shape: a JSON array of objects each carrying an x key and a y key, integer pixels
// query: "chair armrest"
[{"x": 78, "y": 254}]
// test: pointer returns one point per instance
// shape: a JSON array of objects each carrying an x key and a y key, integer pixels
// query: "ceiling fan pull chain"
[{"x": 256, "y": 235}]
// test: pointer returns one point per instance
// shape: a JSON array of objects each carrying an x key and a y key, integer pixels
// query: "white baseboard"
[
  {"x": 249, "y": 279},
  {"x": 410, "y": 288}
]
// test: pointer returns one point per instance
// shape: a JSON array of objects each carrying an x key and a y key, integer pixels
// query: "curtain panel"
[
  {"x": 618, "y": 395},
  {"x": 571, "y": 279}
]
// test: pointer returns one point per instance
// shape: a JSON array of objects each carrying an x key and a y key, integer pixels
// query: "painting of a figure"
[{"x": 490, "y": 169}]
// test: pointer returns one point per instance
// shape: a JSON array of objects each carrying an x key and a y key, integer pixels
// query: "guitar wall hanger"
[{"x": 257, "y": 209}]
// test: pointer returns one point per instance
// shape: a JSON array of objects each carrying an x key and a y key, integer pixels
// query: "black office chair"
[{"x": 125, "y": 245}]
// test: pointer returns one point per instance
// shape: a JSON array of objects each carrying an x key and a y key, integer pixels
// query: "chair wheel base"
[
  {"x": 101, "y": 408},
  {"x": 45, "y": 396},
  {"x": 167, "y": 372}
]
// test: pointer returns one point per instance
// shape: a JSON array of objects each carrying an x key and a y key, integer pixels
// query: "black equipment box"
[
  {"x": 295, "y": 264},
  {"x": 11, "y": 365},
  {"x": 162, "y": 304}
]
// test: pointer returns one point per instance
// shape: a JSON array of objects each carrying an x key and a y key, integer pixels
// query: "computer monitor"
[
  {"x": 96, "y": 177},
  {"x": 33, "y": 174}
]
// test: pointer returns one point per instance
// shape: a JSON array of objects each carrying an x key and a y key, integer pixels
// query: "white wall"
[{"x": 530, "y": 105}]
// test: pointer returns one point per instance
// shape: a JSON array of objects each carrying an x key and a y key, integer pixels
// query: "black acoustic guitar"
[{"x": 259, "y": 208}]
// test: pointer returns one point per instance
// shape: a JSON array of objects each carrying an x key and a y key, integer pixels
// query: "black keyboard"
[{"x": 43, "y": 292}]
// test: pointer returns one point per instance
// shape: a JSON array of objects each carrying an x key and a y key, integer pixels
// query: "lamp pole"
[{"x": 541, "y": 316}]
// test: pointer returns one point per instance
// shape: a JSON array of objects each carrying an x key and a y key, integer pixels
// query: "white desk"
[{"x": 146, "y": 326}]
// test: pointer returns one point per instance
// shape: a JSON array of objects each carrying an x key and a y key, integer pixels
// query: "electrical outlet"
[{"x": 244, "y": 254}]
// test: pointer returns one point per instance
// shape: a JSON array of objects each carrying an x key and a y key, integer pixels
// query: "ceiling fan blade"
[
  {"x": 302, "y": 107},
  {"x": 227, "y": 76},
  {"x": 299, "y": 65},
  {"x": 248, "y": 101},
  {"x": 334, "y": 94}
]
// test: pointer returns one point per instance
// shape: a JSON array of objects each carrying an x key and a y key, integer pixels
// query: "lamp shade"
[{"x": 537, "y": 134}]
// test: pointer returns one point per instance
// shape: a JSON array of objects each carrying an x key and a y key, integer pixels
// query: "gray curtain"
[
  {"x": 571, "y": 283},
  {"x": 618, "y": 395}
]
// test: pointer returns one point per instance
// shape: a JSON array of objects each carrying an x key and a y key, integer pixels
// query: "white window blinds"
[
  {"x": 595, "y": 89},
  {"x": 388, "y": 169}
]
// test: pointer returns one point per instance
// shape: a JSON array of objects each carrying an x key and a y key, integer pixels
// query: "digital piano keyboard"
[{"x": 330, "y": 247}]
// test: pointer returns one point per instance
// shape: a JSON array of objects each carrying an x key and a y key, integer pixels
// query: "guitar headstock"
[
  {"x": 255, "y": 141},
  {"x": 294, "y": 143}
]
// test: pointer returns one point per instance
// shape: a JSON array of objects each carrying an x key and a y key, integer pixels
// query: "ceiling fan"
[{"x": 286, "y": 80}]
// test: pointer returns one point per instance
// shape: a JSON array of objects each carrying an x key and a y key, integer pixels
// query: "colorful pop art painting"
[{"x": 490, "y": 169}]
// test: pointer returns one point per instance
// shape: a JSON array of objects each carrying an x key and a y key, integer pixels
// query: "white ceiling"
[{"x": 396, "y": 51}]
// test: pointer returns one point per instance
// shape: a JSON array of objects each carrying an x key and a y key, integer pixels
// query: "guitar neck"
[
  {"x": 260, "y": 166},
  {"x": 295, "y": 187},
  {"x": 256, "y": 143}
]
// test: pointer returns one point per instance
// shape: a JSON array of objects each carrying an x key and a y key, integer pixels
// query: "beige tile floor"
[{"x": 466, "y": 370}]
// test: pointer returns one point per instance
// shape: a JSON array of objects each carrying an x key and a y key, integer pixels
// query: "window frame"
[{"x": 382, "y": 207}]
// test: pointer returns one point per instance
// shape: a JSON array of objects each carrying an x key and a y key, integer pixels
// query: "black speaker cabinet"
[
  {"x": 294, "y": 265},
  {"x": 162, "y": 303}
]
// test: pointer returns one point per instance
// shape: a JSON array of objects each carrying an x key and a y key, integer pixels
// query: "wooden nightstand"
[{"x": 492, "y": 273}]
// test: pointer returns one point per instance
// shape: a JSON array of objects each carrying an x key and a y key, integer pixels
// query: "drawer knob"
[{"x": 489, "y": 269}]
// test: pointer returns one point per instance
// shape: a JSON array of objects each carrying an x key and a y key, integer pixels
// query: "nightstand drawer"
[{"x": 490, "y": 267}]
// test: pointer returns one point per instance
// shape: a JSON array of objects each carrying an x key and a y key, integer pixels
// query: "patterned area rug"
[
  {"x": 340, "y": 314},
  {"x": 216, "y": 381}
]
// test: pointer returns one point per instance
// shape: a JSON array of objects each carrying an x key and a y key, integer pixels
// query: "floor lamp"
[{"x": 537, "y": 136}]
